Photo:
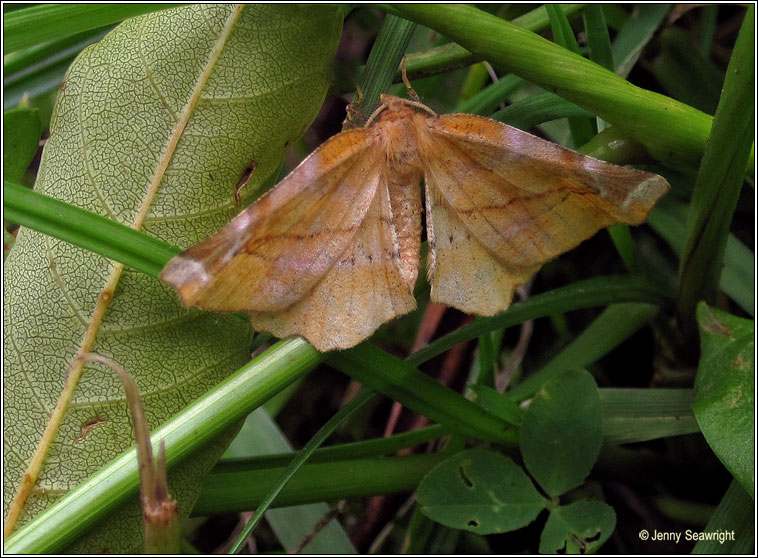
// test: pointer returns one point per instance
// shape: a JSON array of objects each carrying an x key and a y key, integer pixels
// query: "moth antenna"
[
  {"x": 403, "y": 70},
  {"x": 374, "y": 114}
]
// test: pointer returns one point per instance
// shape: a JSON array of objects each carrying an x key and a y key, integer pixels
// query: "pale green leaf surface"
[
  {"x": 480, "y": 491},
  {"x": 112, "y": 124},
  {"x": 725, "y": 385},
  {"x": 578, "y": 528}
]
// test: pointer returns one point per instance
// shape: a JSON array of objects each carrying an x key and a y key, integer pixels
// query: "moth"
[{"x": 332, "y": 251}]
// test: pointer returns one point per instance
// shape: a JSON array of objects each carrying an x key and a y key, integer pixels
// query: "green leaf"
[
  {"x": 598, "y": 40},
  {"x": 238, "y": 486},
  {"x": 719, "y": 181},
  {"x": 725, "y": 386},
  {"x": 581, "y": 294},
  {"x": 298, "y": 460},
  {"x": 21, "y": 133},
  {"x": 38, "y": 24},
  {"x": 637, "y": 415},
  {"x": 669, "y": 130},
  {"x": 402, "y": 382},
  {"x": 537, "y": 109},
  {"x": 497, "y": 404},
  {"x": 582, "y": 128},
  {"x": 260, "y": 435},
  {"x": 480, "y": 491},
  {"x": 37, "y": 71},
  {"x": 738, "y": 276},
  {"x": 203, "y": 421},
  {"x": 561, "y": 432},
  {"x": 731, "y": 528},
  {"x": 85, "y": 229},
  {"x": 578, "y": 528},
  {"x": 635, "y": 34},
  {"x": 153, "y": 129}
]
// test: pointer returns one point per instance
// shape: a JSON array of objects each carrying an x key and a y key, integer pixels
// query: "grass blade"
[
  {"x": 719, "y": 181},
  {"x": 37, "y": 24},
  {"x": 669, "y": 130},
  {"x": 598, "y": 291},
  {"x": 613, "y": 326},
  {"x": 85, "y": 229}
]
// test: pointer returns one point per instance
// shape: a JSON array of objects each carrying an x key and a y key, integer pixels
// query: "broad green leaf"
[
  {"x": 21, "y": 132},
  {"x": 578, "y": 528},
  {"x": 161, "y": 117},
  {"x": 480, "y": 491},
  {"x": 561, "y": 432},
  {"x": 725, "y": 386}
]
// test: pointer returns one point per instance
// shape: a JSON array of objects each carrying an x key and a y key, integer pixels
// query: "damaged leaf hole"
[
  {"x": 465, "y": 478},
  {"x": 88, "y": 427}
]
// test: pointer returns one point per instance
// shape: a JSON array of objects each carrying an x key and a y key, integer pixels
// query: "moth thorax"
[{"x": 401, "y": 147}]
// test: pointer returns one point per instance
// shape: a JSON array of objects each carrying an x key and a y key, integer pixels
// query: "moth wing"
[
  {"x": 501, "y": 202},
  {"x": 367, "y": 286},
  {"x": 276, "y": 250}
]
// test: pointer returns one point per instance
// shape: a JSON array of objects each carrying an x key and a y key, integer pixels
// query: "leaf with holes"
[
  {"x": 725, "y": 390},
  {"x": 155, "y": 127},
  {"x": 580, "y": 527},
  {"x": 562, "y": 432},
  {"x": 480, "y": 491}
]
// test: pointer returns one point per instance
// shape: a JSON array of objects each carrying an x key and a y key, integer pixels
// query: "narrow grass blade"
[
  {"x": 613, "y": 326},
  {"x": 85, "y": 229},
  {"x": 582, "y": 128},
  {"x": 668, "y": 129},
  {"x": 402, "y": 382},
  {"x": 598, "y": 291},
  {"x": 37, "y": 24},
  {"x": 735, "y": 516},
  {"x": 638, "y": 415},
  {"x": 738, "y": 276},
  {"x": 527, "y": 113},
  {"x": 719, "y": 180},
  {"x": 297, "y": 462},
  {"x": 236, "y": 487},
  {"x": 383, "y": 61},
  {"x": 635, "y": 34}
]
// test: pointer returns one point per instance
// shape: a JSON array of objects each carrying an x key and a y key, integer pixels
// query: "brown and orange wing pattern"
[
  {"x": 502, "y": 202},
  {"x": 274, "y": 252},
  {"x": 368, "y": 285}
]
